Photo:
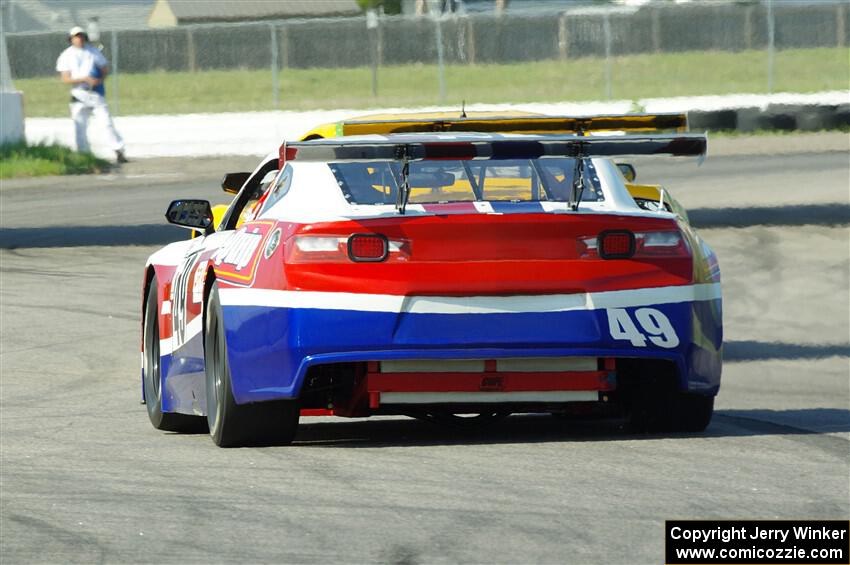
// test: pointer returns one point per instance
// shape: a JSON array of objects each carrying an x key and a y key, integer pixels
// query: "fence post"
[
  {"x": 440, "y": 65},
  {"x": 655, "y": 29},
  {"x": 771, "y": 32},
  {"x": 470, "y": 41},
  {"x": 372, "y": 31},
  {"x": 274, "y": 65},
  {"x": 380, "y": 34},
  {"x": 606, "y": 30},
  {"x": 563, "y": 39},
  {"x": 841, "y": 24},
  {"x": 190, "y": 51},
  {"x": 748, "y": 27},
  {"x": 114, "y": 71}
]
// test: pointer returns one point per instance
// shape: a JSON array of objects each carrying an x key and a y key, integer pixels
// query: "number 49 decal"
[{"x": 656, "y": 327}]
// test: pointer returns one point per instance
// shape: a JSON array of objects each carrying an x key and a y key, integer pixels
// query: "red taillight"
[
  {"x": 359, "y": 248},
  {"x": 623, "y": 244},
  {"x": 367, "y": 247},
  {"x": 616, "y": 244}
]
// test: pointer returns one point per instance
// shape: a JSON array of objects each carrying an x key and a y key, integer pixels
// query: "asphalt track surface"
[{"x": 85, "y": 478}]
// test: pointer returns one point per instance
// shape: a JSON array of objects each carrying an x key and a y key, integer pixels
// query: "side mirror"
[
  {"x": 192, "y": 214},
  {"x": 628, "y": 171},
  {"x": 232, "y": 182}
]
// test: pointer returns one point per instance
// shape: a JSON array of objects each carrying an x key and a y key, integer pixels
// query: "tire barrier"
[{"x": 775, "y": 117}]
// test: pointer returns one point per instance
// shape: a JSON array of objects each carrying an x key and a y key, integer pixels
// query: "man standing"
[{"x": 84, "y": 67}]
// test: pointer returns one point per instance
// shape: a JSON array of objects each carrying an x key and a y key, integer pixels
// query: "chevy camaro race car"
[{"x": 437, "y": 268}]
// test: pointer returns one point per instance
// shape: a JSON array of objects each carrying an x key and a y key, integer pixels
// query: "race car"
[{"x": 437, "y": 275}]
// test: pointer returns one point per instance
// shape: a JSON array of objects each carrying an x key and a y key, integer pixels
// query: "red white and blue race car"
[{"x": 433, "y": 274}]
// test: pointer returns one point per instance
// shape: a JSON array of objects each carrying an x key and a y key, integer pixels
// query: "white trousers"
[{"x": 82, "y": 108}]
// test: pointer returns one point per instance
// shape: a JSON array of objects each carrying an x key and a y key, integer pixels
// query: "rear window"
[{"x": 538, "y": 180}]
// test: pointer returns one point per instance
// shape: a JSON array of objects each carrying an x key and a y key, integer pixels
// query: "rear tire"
[
  {"x": 654, "y": 411},
  {"x": 166, "y": 421},
  {"x": 231, "y": 424},
  {"x": 692, "y": 412}
]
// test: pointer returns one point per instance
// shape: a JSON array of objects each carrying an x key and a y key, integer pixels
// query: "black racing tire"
[
  {"x": 232, "y": 424},
  {"x": 648, "y": 409},
  {"x": 166, "y": 421},
  {"x": 658, "y": 411},
  {"x": 692, "y": 412}
]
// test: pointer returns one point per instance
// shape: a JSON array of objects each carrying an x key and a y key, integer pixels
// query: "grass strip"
[{"x": 22, "y": 160}]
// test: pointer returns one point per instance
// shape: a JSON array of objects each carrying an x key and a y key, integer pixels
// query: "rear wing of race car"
[
  {"x": 423, "y": 147},
  {"x": 629, "y": 123}
]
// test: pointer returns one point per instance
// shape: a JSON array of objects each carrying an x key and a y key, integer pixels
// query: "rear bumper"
[{"x": 274, "y": 337}]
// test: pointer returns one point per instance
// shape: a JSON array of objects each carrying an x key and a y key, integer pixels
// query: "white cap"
[{"x": 76, "y": 30}]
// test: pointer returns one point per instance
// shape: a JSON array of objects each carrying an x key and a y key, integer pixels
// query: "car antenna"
[{"x": 463, "y": 108}]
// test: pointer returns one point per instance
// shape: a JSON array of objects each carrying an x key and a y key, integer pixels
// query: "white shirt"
[{"x": 81, "y": 62}]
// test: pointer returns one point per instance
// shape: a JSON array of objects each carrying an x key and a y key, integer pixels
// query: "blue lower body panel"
[
  {"x": 270, "y": 349},
  {"x": 184, "y": 388}
]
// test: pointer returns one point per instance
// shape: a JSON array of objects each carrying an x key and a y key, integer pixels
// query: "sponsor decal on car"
[
  {"x": 236, "y": 260},
  {"x": 198, "y": 282}
]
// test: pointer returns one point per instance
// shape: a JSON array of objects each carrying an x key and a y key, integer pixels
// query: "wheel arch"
[
  {"x": 150, "y": 273},
  {"x": 209, "y": 279}
]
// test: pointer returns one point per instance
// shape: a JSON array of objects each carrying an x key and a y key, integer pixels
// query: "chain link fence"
[{"x": 595, "y": 53}]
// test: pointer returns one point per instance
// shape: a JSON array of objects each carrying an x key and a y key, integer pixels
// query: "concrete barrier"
[{"x": 11, "y": 116}]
